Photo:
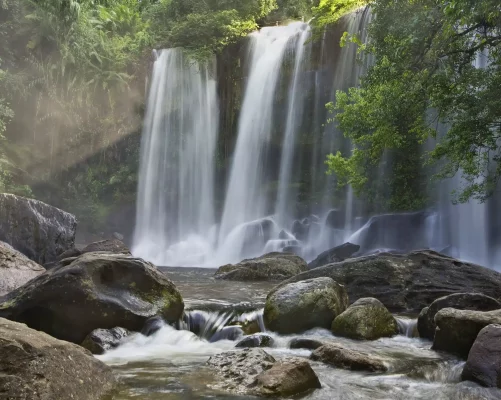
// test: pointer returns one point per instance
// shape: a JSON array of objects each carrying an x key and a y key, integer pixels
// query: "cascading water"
[
  {"x": 175, "y": 212},
  {"x": 246, "y": 198}
]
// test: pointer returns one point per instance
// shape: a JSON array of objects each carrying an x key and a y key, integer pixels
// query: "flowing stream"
[{"x": 169, "y": 365}]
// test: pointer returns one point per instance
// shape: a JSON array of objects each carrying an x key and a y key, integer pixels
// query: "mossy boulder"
[
  {"x": 96, "y": 290},
  {"x": 270, "y": 267},
  {"x": 460, "y": 301},
  {"x": 34, "y": 365},
  {"x": 457, "y": 329},
  {"x": 15, "y": 269},
  {"x": 366, "y": 319},
  {"x": 304, "y": 305}
]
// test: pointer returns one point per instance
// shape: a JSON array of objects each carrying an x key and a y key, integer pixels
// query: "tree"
[{"x": 427, "y": 75}]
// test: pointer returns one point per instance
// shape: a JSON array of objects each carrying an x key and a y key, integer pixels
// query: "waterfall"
[
  {"x": 175, "y": 210},
  {"x": 246, "y": 197},
  {"x": 293, "y": 124}
]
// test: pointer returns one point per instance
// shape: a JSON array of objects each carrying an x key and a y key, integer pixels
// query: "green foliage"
[
  {"x": 425, "y": 54},
  {"x": 330, "y": 11}
]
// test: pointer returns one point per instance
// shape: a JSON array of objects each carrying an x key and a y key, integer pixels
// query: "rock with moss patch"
[
  {"x": 342, "y": 357},
  {"x": 96, "y": 290},
  {"x": 102, "y": 340},
  {"x": 366, "y": 319},
  {"x": 34, "y": 365},
  {"x": 460, "y": 301},
  {"x": 15, "y": 269},
  {"x": 270, "y": 267},
  {"x": 304, "y": 305},
  {"x": 39, "y": 231}
]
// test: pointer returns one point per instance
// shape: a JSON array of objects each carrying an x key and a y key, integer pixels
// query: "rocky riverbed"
[{"x": 383, "y": 326}]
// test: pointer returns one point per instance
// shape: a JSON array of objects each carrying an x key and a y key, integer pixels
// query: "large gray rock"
[
  {"x": 484, "y": 360},
  {"x": 460, "y": 301},
  {"x": 97, "y": 290},
  {"x": 366, "y": 319},
  {"x": 341, "y": 357},
  {"x": 255, "y": 372},
  {"x": 15, "y": 269},
  {"x": 336, "y": 254},
  {"x": 407, "y": 282},
  {"x": 299, "y": 306},
  {"x": 270, "y": 267},
  {"x": 39, "y": 231},
  {"x": 402, "y": 232},
  {"x": 102, "y": 340},
  {"x": 34, "y": 365},
  {"x": 457, "y": 329}
]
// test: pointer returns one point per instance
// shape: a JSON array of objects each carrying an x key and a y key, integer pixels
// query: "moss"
[{"x": 271, "y": 312}]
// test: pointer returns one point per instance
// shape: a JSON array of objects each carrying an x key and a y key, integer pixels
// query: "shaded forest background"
[{"x": 74, "y": 74}]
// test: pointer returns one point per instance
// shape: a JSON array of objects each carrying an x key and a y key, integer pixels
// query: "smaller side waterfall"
[{"x": 175, "y": 211}]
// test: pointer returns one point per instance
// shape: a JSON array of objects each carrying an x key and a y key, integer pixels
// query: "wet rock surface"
[
  {"x": 341, "y": 357},
  {"x": 484, "y": 360},
  {"x": 304, "y": 343},
  {"x": 256, "y": 341},
  {"x": 366, "y": 319},
  {"x": 457, "y": 329},
  {"x": 15, "y": 269},
  {"x": 460, "y": 301},
  {"x": 101, "y": 340},
  {"x": 39, "y": 231},
  {"x": 96, "y": 290},
  {"x": 407, "y": 282},
  {"x": 255, "y": 372},
  {"x": 336, "y": 254},
  {"x": 299, "y": 306},
  {"x": 34, "y": 365},
  {"x": 270, "y": 267}
]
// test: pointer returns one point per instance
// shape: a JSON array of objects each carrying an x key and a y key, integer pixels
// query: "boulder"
[
  {"x": 255, "y": 372},
  {"x": 460, "y": 301},
  {"x": 409, "y": 282},
  {"x": 297, "y": 307},
  {"x": 457, "y": 329},
  {"x": 341, "y": 357},
  {"x": 97, "y": 290},
  {"x": 366, "y": 319},
  {"x": 401, "y": 231},
  {"x": 109, "y": 245},
  {"x": 303, "y": 343},
  {"x": 287, "y": 378},
  {"x": 484, "y": 360},
  {"x": 270, "y": 267},
  {"x": 15, "y": 269},
  {"x": 101, "y": 340},
  {"x": 256, "y": 341},
  {"x": 39, "y": 231},
  {"x": 336, "y": 219},
  {"x": 336, "y": 254},
  {"x": 34, "y": 365}
]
